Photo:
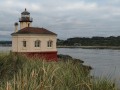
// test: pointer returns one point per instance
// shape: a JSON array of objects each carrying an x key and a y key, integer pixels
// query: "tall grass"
[{"x": 18, "y": 72}]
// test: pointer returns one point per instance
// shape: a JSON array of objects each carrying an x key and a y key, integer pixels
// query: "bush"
[{"x": 22, "y": 73}]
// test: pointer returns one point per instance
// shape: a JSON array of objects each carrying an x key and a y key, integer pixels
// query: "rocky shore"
[{"x": 66, "y": 58}]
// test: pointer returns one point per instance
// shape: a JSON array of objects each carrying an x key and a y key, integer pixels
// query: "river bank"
[
  {"x": 82, "y": 47},
  {"x": 67, "y": 58},
  {"x": 23, "y": 73},
  {"x": 91, "y": 47}
]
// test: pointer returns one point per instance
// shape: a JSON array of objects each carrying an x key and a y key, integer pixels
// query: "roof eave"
[{"x": 16, "y": 34}]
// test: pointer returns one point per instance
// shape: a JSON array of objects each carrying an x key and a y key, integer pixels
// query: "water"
[
  {"x": 105, "y": 62},
  {"x": 5, "y": 49}
]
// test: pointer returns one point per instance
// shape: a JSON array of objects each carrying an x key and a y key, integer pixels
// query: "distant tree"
[
  {"x": 93, "y": 41},
  {"x": 5, "y": 43}
]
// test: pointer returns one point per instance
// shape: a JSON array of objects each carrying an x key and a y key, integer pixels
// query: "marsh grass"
[{"x": 18, "y": 72}]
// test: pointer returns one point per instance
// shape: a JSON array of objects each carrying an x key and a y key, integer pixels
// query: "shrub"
[{"x": 22, "y": 73}]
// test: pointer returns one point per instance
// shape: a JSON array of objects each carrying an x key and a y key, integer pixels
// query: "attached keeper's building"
[{"x": 33, "y": 41}]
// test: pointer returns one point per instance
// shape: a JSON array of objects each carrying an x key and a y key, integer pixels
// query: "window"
[
  {"x": 49, "y": 43},
  {"x": 37, "y": 43},
  {"x": 24, "y": 43},
  {"x": 28, "y": 25}
]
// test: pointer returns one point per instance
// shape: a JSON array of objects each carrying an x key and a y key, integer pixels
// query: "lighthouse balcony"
[{"x": 25, "y": 19}]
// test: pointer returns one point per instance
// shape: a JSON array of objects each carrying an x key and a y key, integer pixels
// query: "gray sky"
[{"x": 67, "y": 18}]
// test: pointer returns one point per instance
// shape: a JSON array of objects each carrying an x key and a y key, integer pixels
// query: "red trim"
[{"x": 49, "y": 56}]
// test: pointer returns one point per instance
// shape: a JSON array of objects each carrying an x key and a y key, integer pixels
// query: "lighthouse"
[
  {"x": 33, "y": 41},
  {"x": 25, "y": 20}
]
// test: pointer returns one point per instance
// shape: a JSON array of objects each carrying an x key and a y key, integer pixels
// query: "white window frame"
[
  {"x": 24, "y": 43},
  {"x": 37, "y": 43},
  {"x": 50, "y": 44}
]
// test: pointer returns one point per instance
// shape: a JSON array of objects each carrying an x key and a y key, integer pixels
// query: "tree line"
[
  {"x": 83, "y": 41},
  {"x": 93, "y": 41},
  {"x": 5, "y": 43}
]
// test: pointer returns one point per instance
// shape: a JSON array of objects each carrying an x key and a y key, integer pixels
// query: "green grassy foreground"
[{"x": 18, "y": 72}]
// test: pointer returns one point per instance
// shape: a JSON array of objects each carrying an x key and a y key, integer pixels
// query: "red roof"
[{"x": 34, "y": 30}]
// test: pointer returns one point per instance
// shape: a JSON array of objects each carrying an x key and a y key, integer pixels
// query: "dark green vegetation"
[
  {"x": 94, "y": 41},
  {"x": 18, "y": 72},
  {"x": 5, "y": 43},
  {"x": 82, "y": 41}
]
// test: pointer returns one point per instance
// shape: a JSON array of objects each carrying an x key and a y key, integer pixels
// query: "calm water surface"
[
  {"x": 105, "y": 62},
  {"x": 5, "y": 49}
]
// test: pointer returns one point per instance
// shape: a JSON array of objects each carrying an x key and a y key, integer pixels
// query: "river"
[{"x": 105, "y": 62}]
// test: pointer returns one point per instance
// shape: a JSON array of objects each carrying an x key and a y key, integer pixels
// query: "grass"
[{"x": 17, "y": 72}]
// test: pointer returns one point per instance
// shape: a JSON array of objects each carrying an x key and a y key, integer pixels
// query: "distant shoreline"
[
  {"x": 83, "y": 47},
  {"x": 91, "y": 47}
]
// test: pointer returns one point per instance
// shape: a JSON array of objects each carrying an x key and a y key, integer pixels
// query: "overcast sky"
[{"x": 67, "y": 18}]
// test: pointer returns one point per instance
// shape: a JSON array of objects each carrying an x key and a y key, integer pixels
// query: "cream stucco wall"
[
  {"x": 16, "y": 28},
  {"x": 17, "y": 43},
  {"x": 25, "y": 24}
]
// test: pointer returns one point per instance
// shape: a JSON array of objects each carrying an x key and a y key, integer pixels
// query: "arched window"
[
  {"x": 37, "y": 43},
  {"x": 49, "y": 43}
]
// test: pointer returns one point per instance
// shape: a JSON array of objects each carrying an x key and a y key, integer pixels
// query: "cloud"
[
  {"x": 75, "y": 17},
  {"x": 78, "y": 6},
  {"x": 5, "y": 32},
  {"x": 14, "y": 5}
]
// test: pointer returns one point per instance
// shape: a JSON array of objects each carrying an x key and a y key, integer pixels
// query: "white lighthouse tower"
[
  {"x": 25, "y": 20},
  {"x": 33, "y": 41}
]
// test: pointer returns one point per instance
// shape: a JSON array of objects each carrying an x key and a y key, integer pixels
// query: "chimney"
[{"x": 16, "y": 27}]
